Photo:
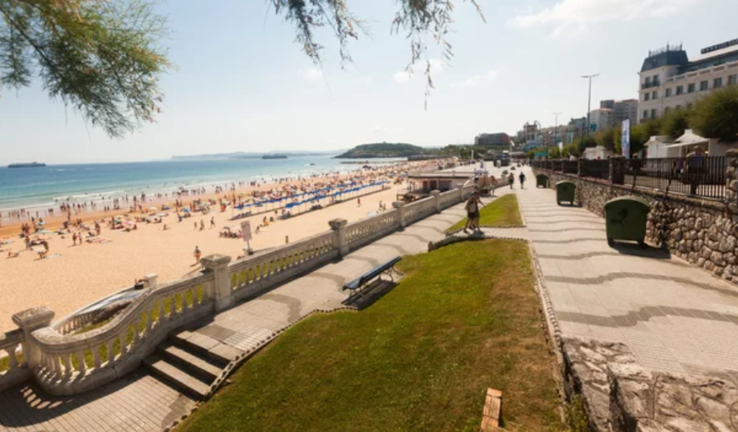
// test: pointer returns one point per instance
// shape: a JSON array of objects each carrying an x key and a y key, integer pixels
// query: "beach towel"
[{"x": 56, "y": 255}]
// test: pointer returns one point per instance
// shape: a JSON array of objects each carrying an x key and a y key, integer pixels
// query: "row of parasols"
[{"x": 315, "y": 195}]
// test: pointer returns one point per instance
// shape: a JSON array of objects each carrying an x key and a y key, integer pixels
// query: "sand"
[{"x": 84, "y": 273}]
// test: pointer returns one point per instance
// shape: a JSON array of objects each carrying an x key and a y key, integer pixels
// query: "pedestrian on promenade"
[
  {"x": 212, "y": 222},
  {"x": 358, "y": 200},
  {"x": 472, "y": 212},
  {"x": 696, "y": 162},
  {"x": 522, "y": 180},
  {"x": 511, "y": 180},
  {"x": 197, "y": 254}
]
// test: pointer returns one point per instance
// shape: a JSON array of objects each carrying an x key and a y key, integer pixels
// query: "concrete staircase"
[{"x": 190, "y": 362}]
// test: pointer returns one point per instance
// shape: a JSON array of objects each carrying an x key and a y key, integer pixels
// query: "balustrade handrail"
[
  {"x": 11, "y": 338},
  {"x": 51, "y": 341},
  {"x": 277, "y": 252}
]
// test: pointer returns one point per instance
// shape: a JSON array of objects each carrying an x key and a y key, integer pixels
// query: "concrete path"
[
  {"x": 673, "y": 316},
  {"x": 141, "y": 402}
]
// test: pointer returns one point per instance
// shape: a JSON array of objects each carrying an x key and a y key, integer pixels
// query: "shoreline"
[{"x": 74, "y": 275}]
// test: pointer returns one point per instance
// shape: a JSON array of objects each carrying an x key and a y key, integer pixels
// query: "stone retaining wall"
[{"x": 700, "y": 231}]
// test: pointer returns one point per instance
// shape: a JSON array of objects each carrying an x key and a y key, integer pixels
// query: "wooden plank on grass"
[{"x": 492, "y": 411}]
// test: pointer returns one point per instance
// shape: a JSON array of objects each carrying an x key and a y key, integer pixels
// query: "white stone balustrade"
[{"x": 68, "y": 358}]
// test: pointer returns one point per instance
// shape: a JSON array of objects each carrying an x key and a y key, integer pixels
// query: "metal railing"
[
  {"x": 699, "y": 176},
  {"x": 599, "y": 169},
  {"x": 695, "y": 176}
]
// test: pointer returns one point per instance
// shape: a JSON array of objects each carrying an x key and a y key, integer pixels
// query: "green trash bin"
[
  {"x": 542, "y": 180},
  {"x": 626, "y": 219},
  {"x": 565, "y": 191}
]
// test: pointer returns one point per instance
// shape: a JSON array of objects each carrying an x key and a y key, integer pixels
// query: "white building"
[
  {"x": 602, "y": 118},
  {"x": 669, "y": 80}
]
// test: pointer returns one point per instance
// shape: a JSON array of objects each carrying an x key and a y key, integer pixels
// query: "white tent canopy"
[{"x": 690, "y": 137}]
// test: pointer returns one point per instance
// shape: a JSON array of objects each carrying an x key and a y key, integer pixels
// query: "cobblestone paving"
[{"x": 673, "y": 316}]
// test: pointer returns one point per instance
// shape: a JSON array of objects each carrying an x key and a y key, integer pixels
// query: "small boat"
[{"x": 27, "y": 165}]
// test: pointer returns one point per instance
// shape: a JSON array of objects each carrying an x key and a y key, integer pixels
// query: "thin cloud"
[
  {"x": 574, "y": 17},
  {"x": 311, "y": 74},
  {"x": 437, "y": 66},
  {"x": 476, "y": 80}
]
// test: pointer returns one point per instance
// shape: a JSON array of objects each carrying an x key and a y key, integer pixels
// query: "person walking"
[
  {"x": 522, "y": 180},
  {"x": 197, "y": 254},
  {"x": 511, "y": 180},
  {"x": 212, "y": 222},
  {"x": 696, "y": 162},
  {"x": 472, "y": 212}
]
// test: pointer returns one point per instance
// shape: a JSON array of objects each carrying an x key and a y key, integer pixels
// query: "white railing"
[
  {"x": 253, "y": 275},
  {"x": 67, "y": 360},
  {"x": 12, "y": 365},
  {"x": 363, "y": 232},
  {"x": 420, "y": 210},
  {"x": 449, "y": 198}
]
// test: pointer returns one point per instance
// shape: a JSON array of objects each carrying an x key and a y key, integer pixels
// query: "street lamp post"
[
  {"x": 556, "y": 127},
  {"x": 589, "y": 98}
]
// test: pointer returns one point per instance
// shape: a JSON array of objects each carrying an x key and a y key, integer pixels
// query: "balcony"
[{"x": 651, "y": 84}]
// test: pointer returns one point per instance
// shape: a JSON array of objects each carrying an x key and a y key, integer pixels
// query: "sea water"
[{"x": 46, "y": 187}]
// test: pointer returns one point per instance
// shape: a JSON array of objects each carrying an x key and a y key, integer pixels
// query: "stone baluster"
[
  {"x": 29, "y": 321},
  {"x": 149, "y": 322},
  {"x": 12, "y": 359},
  {"x": 67, "y": 362},
  {"x": 217, "y": 265},
  {"x": 123, "y": 346},
  {"x": 96, "y": 355},
  {"x": 111, "y": 354},
  {"x": 81, "y": 365},
  {"x": 339, "y": 236},
  {"x": 400, "y": 207}
]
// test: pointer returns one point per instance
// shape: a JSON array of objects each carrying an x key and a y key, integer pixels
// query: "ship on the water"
[
  {"x": 27, "y": 165},
  {"x": 274, "y": 156}
]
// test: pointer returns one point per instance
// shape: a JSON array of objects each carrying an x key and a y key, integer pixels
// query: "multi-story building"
[
  {"x": 669, "y": 80},
  {"x": 575, "y": 129},
  {"x": 496, "y": 141},
  {"x": 602, "y": 118}
]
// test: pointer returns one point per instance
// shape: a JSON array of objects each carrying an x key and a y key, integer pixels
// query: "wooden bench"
[{"x": 359, "y": 283}]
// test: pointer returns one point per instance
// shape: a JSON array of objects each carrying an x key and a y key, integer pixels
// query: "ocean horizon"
[{"x": 45, "y": 187}]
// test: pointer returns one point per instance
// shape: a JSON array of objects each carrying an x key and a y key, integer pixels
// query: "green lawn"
[
  {"x": 503, "y": 211},
  {"x": 465, "y": 318}
]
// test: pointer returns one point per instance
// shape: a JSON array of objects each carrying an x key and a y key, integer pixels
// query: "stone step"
[
  {"x": 173, "y": 375},
  {"x": 192, "y": 363},
  {"x": 219, "y": 353}
]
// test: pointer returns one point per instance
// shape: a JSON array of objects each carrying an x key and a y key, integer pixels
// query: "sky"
[{"x": 243, "y": 84}]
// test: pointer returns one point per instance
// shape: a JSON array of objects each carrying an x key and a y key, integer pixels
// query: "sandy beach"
[{"x": 84, "y": 273}]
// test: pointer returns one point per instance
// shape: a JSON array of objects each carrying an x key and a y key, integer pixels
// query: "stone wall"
[{"x": 699, "y": 231}]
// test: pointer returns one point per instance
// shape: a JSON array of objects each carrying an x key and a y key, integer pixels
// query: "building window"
[
  {"x": 647, "y": 96},
  {"x": 704, "y": 85},
  {"x": 653, "y": 113},
  {"x": 655, "y": 95},
  {"x": 733, "y": 80},
  {"x": 717, "y": 83},
  {"x": 680, "y": 90},
  {"x": 648, "y": 81},
  {"x": 645, "y": 114},
  {"x": 668, "y": 92},
  {"x": 690, "y": 88}
]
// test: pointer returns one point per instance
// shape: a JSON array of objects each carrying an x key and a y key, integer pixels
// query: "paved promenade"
[
  {"x": 673, "y": 316},
  {"x": 141, "y": 402}
]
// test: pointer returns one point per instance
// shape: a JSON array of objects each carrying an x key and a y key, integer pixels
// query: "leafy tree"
[
  {"x": 675, "y": 122},
  {"x": 103, "y": 58},
  {"x": 716, "y": 115}
]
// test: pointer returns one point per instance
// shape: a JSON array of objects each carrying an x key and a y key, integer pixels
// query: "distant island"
[
  {"x": 27, "y": 165},
  {"x": 274, "y": 156},
  {"x": 385, "y": 150}
]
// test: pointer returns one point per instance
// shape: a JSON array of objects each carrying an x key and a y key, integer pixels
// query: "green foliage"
[
  {"x": 716, "y": 115},
  {"x": 101, "y": 57},
  {"x": 675, "y": 122},
  {"x": 464, "y": 319},
  {"x": 576, "y": 415},
  {"x": 385, "y": 150}
]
